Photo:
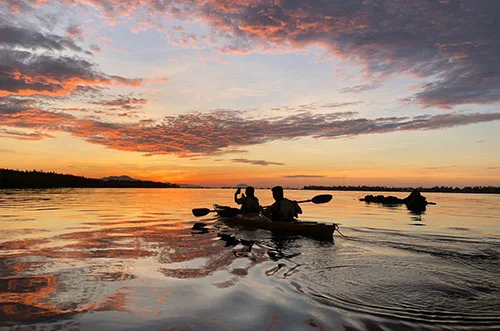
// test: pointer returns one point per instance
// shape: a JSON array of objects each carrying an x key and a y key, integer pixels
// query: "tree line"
[
  {"x": 442, "y": 189},
  {"x": 40, "y": 179}
]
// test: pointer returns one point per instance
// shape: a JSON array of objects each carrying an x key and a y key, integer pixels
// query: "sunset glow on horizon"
[{"x": 218, "y": 93}]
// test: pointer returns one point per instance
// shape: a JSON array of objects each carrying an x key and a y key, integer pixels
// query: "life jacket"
[
  {"x": 287, "y": 210},
  {"x": 250, "y": 205}
]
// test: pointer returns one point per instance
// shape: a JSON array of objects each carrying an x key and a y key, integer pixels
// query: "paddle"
[
  {"x": 231, "y": 212},
  {"x": 322, "y": 198},
  {"x": 201, "y": 211},
  {"x": 226, "y": 212}
]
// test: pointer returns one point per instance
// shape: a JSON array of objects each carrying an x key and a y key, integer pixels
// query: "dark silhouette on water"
[
  {"x": 199, "y": 228},
  {"x": 415, "y": 201}
]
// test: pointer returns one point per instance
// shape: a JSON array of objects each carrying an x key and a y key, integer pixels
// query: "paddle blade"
[
  {"x": 322, "y": 198},
  {"x": 201, "y": 211},
  {"x": 228, "y": 212}
]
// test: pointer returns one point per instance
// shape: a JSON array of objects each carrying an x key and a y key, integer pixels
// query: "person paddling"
[
  {"x": 248, "y": 201},
  {"x": 282, "y": 209}
]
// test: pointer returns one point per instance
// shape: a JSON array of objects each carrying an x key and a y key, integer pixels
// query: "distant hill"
[
  {"x": 39, "y": 179},
  {"x": 122, "y": 178}
]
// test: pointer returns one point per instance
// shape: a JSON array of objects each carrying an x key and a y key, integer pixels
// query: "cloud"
[
  {"x": 19, "y": 37},
  {"x": 23, "y": 135},
  {"x": 95, "y": 48},
  {"x": 219, "y": 132},
  {"x": 341, "y": 104},
  {"x": 454, "y": 45},
  {"x": 441, "y": 167},
  {"x": 304, "y": 176},
  {"x": 123, "y": 102},
  {"x": 361, "y": 88},
  {"x": 24, "y": 74},
  {"x": 11, "y": 105},
  {"x": 34, "y": 63},
  {"x": 316, "y": 106},
  {"x": 443, "y": 42},
  {"x": 207, "y": 59},
  {"x": 74, "y": 31},
  {"x": 257, "y": 162}
]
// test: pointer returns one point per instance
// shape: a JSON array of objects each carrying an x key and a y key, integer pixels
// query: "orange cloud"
[
  {"x": 196, "y": 134},
  {"x": 123, "y": 102},
  {"x": 24, "y": 135}
]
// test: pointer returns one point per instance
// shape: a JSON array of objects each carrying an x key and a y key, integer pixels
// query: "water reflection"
[
  {"x": 23, "y": 298},
  {"x": 91, "y": 259},
  {"x": 134, "y": 259},
  {"x": 416, "y": 219}
]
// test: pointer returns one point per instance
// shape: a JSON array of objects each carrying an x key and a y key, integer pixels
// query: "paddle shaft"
[
  {"x": 301, "y": 201},
  {"x": 322, "y": 198}
]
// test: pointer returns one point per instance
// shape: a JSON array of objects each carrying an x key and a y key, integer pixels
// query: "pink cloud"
[{"x": 74, "y": 31}]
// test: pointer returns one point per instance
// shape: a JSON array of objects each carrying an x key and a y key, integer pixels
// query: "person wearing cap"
[
  {"x": 248, "y": 201},
  {"x": 282, "y": 209}
]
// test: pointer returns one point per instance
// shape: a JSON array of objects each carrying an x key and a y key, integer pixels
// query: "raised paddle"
[{"x": 231, "y": 212}]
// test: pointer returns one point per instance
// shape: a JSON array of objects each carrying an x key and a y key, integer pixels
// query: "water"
[{"x": 123, "y": 259}]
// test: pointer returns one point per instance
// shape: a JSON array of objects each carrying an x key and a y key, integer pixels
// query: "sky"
[{"x": 223, "y": 92}]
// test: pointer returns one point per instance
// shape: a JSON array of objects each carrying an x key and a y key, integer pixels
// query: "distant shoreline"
[
  {"x": 16, "y": 179},
  {"x": 365, "y": 188},
  {"x": 436, "y": 189}
]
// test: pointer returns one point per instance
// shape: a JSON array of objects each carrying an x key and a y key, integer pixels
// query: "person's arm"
[
  {"x": 297, "y": 208},
  {"x": 236, "y": 195},
  {"x": 259, "y": 206},
  {"x": 269, "y": 211}
]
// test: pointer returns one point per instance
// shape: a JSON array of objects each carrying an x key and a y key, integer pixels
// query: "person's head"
[
  {"x": 277, "y": 193},
  {"x": 250, "y": 191}
]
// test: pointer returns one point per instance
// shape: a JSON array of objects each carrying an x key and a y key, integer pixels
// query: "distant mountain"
[{"x": 120, "y": 178}]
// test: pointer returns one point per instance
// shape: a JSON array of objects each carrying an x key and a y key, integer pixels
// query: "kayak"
[{"x": 258, "y": 221}]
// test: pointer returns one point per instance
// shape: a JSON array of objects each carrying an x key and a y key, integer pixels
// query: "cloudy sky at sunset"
[{"x": 221, "y": 92}]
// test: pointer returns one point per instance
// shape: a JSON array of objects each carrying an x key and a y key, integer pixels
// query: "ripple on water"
[{"x": 406, "y": 285}]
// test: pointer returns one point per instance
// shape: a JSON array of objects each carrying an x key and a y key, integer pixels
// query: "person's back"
[
  {"x": 282, "y": 209},
  {"x": 287, "y": 210},
  {"x": 249, "y": 202}
]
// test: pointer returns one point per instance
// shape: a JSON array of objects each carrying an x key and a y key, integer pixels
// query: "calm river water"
[{"x": 127, "y": 259}]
